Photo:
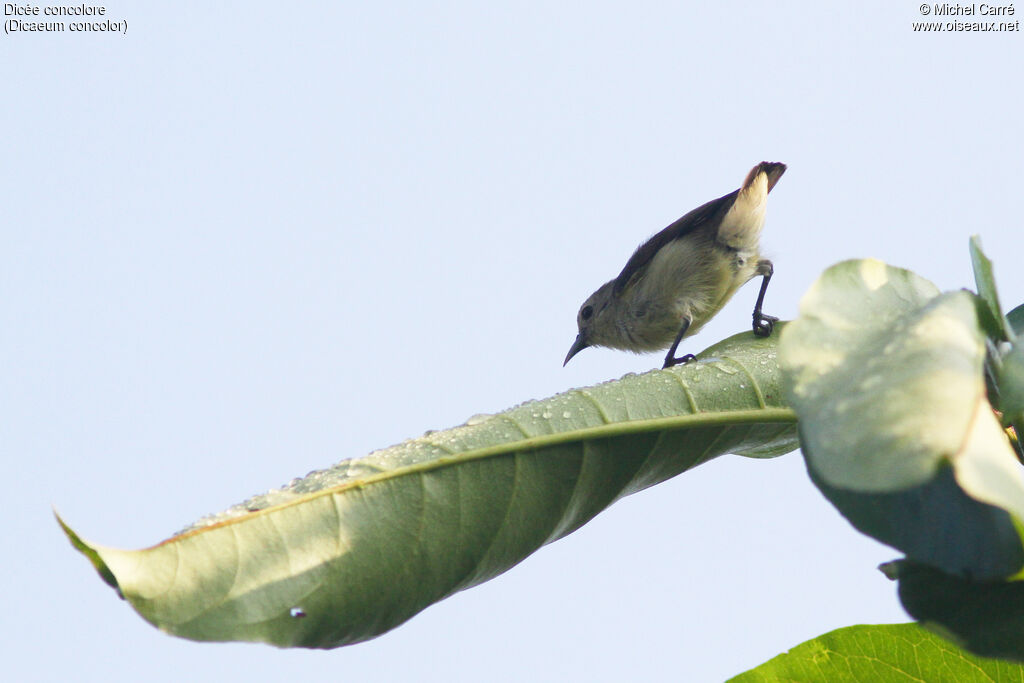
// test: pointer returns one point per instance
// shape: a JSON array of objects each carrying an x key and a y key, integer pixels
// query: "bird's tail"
[
  {"x": 741, "y": 227},
  {"x": 772, "y": 169}
]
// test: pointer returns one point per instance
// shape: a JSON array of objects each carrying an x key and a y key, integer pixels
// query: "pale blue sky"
[{"x": 247, "y": 240}]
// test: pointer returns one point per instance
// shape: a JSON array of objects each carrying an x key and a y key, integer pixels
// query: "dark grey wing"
[{"x": 703, "y": 216}]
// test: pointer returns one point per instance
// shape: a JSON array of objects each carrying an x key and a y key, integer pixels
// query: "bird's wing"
[
  {"x": 708, "y": 216},
  {"x": 703, "y": 216}
]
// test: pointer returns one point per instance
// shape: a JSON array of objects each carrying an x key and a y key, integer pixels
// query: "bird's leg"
[
  {"x": 670, "y": 358},
  {"x": 763, "y": 324}
]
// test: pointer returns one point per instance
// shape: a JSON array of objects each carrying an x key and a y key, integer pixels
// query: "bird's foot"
[
  {"x": 764, "y": 324},
  {"x": 682, "y": 360}
]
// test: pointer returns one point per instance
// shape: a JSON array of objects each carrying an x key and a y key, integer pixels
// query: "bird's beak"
[{"x": 577, "y": 346}]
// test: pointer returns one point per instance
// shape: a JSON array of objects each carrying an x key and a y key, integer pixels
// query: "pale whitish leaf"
[{"x": 886, "y": 377}]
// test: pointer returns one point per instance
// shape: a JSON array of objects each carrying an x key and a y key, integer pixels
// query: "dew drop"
[{"x": 297, "y": 612}]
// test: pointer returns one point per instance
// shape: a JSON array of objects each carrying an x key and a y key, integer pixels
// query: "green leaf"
[
  {"x": 936, "y": 522},
  {"x": 886, "y": 377},
  {"x": 985, "y": 617},
  {"x": 1010, "y": 382},
  {"x": 992, "y": 318},
  {"x": 883, "y": 652},
  {"x": 348, "y": 553},
  {"x": 1009, "y": 376},
  {"x": 1016, "y": 320}
]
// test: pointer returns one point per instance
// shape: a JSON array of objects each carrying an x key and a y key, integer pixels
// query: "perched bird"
[{"x": 679, "y": 279}]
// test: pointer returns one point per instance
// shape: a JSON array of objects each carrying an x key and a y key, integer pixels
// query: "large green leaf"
[
  {"x": 348, "y": 553},
  {"x": 886, "y": 377},
  {"x": 883, "y": 652}
]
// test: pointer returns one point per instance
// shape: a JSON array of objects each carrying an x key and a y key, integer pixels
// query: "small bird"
[{"x": 679, "y": 279}]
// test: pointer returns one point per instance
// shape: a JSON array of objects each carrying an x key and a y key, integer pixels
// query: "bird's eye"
[{"x": 586, "y": 312}]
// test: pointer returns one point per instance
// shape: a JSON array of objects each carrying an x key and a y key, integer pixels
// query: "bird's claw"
[
  {"x": 764, "y": 324},
  {"x": 682, "y": 360}
]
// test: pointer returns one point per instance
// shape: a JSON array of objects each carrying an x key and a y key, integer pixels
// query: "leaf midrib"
[{"x": 729, "y": 417}]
